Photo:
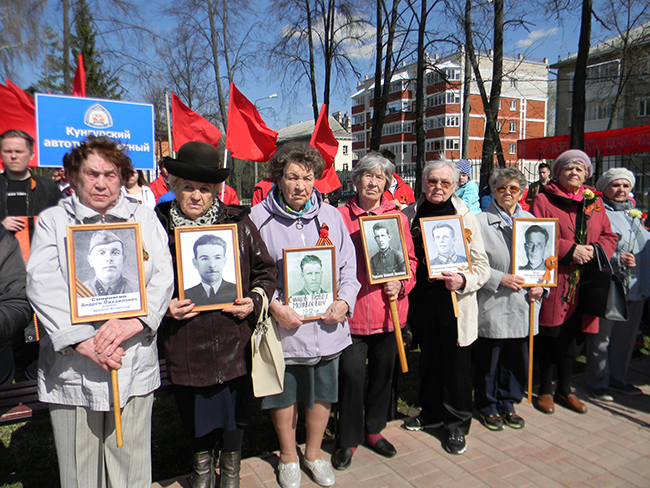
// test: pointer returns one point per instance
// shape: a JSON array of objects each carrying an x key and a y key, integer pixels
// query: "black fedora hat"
[{"x": 197, "y": 161}]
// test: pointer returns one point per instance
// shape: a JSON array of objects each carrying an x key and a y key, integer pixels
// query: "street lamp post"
[{"x": 273, "y": 95}]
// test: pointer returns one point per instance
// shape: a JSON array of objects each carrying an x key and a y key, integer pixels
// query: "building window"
[
  {"x": 644, "y": 107},
  {"x": 498, "y": 126},
  {"x": 437, "y": 145},
  {"x": 500, "y": 103},
  {"x": 513, "y": 83},
  {"x": 513, "y": 126},
  {"x": 345, "y": 150},
  {"x": 451, "y": 144},
  {"x": 513, "y": 105},
  {"x": 512, "y": 149},
  {"x": 345, "y": 166}
]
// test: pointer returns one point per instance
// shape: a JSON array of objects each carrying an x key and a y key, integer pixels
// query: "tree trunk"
[
  {"x": 579, "y": 102},
  {"x": 467, "y": 80},
  {"x": 224, "y": 19},
  {"x": 214, "y": 44},
  {"x": 419, "y": 103},
  {"x": 312, "y": 67},
  {"x": 67, "y": 79}
]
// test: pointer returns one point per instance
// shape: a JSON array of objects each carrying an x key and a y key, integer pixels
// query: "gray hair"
[
  {"x": 175, "y": 182},
  {"x": 370, "y": 162},
  {"x": 439, "y": 164},
  {"x": 499, "y": 175}
]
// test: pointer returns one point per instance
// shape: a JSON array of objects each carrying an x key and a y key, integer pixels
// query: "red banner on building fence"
[{"x": 618, "y": 141}]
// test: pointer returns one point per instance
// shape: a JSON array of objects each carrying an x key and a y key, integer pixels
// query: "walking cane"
[
  {"x": 116, "y": 407},
  {"x": 454, "y": 303},
  {"x": 530, "y": 352},
  {"x": 398, "y": 336}
]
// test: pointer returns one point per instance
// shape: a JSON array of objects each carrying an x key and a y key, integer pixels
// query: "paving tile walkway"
[{"x": 608, "y": 447}]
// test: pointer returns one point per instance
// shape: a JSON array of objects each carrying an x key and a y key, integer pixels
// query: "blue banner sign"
[{"x": 62, "y": 122}]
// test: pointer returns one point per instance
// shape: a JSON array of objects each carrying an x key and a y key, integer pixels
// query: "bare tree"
[
  {"x": 20, "y": 33},
  {"x": 579, "y": 102}
]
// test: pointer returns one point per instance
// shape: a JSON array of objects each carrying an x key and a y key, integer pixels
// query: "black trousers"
[
  {"x": 445, "y": 367},
  {"x": 6, "y": 362},
  {"x": 501, "y": 372},
  {"x": 380, "y": 351}
]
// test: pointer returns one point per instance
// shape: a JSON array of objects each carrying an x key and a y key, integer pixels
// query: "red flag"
[
  {"x": 247, "y": 136},
  {"x": 188, "y": 126},
  {"x": 26, "y": 100},
  {"x": 79, "y": 85},
  {"x": 323, "y": 139},
  {"x": 329, "y": 181},
  {"x": 14, "y": 115}
]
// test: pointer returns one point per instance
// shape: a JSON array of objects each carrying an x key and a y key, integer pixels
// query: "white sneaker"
[
  {"x": 321, "y": 471},
  {"x": 289, "y": 475}
]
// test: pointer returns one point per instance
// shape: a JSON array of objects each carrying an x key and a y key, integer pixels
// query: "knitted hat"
[
  {"x": 465, "y": 167},
  {"x": 572, "y": 155},
  {"x": 615, "y": 174}
]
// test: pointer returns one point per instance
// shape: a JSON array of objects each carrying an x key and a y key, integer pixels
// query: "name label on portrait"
[{"x": 126, "y": 302}]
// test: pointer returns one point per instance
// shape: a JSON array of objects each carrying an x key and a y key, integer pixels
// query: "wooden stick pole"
[
  {"x": 454, "y": 302},
  {"x": 530, "y": 352},
  {"x": 116, "y": 407},
  {"x": 398, "y": 337}
]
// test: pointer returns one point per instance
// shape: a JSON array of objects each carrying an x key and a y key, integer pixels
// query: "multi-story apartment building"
[
  {"x": 522, "y": 111},
  {"x": 616, "y": 68}
]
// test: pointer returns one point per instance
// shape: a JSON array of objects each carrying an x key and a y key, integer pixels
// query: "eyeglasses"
[
  {"x": 511, "y": 189},
  {"x": 445, "y": 185}
]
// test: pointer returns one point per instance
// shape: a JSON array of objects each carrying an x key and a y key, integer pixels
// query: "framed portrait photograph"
[
  {"x": 207, "y": 258},
  {"x": 309, "y": 280},
  {"x": 106, "y": 270},
  {"x": 534, "y": 251},
  {"x": 445, "y": 245},
  {"x": 384, "y": 248}
]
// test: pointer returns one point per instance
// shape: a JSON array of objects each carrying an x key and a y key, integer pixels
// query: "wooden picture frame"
[
  {"x": 537, "y": 267},
  {"x": 384, "y": 247},
  {"x": 106, "y": 271},
  {"x": 448, "y": 233},
  {"x": 309, "y": 279},
  {"x": 217, "y": 263}
]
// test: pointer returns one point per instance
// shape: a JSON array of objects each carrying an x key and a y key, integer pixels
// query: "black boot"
[
  {"x": 204, "y": 474},
  {"x": 229, "y": 464}
]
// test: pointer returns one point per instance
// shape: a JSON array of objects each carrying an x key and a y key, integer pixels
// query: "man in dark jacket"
[
  {"x": 15, "y": 311},
  {"x": 22, "y": 197}
]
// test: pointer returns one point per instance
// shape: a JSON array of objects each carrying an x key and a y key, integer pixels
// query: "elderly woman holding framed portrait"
[
  {"x": 207, "y": 352},
  {"x": 75, "y": 360},
  {"x": 373, "y": 337},
  {"x": 500, "y": 352},
  {"x": 293, "y": 215},
  {"x": 609, "y": 351},
  {"x": 582, "y": 223},
  {"x": 444, "y": 338}
]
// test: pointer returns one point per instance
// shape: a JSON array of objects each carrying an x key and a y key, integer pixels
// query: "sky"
[{"x": 543, "y": 39}]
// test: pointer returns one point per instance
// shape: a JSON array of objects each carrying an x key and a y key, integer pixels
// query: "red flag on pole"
[
  {"x": 323, "y": 139},
  {"x": 79, "y": 85},
  {"x": 188, "y": 126},
  {"x": 16, "y": 115},
  {"x": 26, "y": 100},
  {"x": 247, "y": 136},
  {"x": 329, "y": 181}
]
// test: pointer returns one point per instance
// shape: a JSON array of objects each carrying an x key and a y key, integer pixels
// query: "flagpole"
[
  {"x": 169, "y": 127},
  {"x": 225, "y": 165}
]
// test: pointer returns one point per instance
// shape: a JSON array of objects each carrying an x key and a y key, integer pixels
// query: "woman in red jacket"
[
  {"x": 371, "y": 325},
  {"x": 583, "y": 222}
]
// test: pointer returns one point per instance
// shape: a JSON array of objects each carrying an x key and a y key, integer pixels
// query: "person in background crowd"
[
  {"x": 229, "y": 194},
  {"x": 467, "y": 190},
  {"x": 136, "y": 187},
  {"x": 501, "y": 350},
  {"x": 399, "y": 191},
  {"x": 294, "y": 215},
  {"x": 544, "y": 172},
  {"x": 208, "y": 353},
  {"x": 261, "y": 189},
  {"x": 23, "y": 196},
  {"x": 609, "y": 351},
  {"x": 445, "y": 340},
  {"x": 61, "y": 179},
  {"x": 563, "y": 325},
  {"x": 159, "y": 186},
  {"x": 373, "y": 335},
  {"x": 74, "y": 376},
  {"x": 15, "y": 312}
]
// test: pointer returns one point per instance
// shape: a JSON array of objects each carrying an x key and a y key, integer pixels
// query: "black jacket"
[
  {"x": 15, "y": 311},
  {"x": 44, "y": 194}
]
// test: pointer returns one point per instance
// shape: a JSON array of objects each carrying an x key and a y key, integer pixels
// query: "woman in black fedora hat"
[{"x": 206, "y": 353}]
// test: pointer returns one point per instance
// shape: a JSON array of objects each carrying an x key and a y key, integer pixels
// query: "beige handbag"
[{"x": 268, "y": 356}]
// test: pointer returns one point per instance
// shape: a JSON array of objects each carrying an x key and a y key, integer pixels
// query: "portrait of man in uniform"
[
  {"x": 444, "y": 237},
  {"x": 106, "y": 258},
  {"x": 387, "y": 261}
]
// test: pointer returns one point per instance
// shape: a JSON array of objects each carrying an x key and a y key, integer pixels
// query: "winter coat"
[
  {"x": 504, "y": 313},
  {"x": 15, "y": 311},
  {"x": 44, "y": 194},
  {"x": 281, "y": 229},
  {"x": 213, "y": 347},
  {"x": 469, "y": 194},
  {"x": 65, "y": 376},
  {"x": 551, "y": 202},
  {"x": 467, "y": 304},
  {"x": 372, "y": 311}
]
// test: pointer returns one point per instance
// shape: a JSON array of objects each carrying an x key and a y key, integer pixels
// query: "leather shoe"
[
  {"x": 383, "y": 448},
  {"x": 545, "y": 403},
  {"x": 342, "y": 458},
  {"x": 571, "y": 402}
]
